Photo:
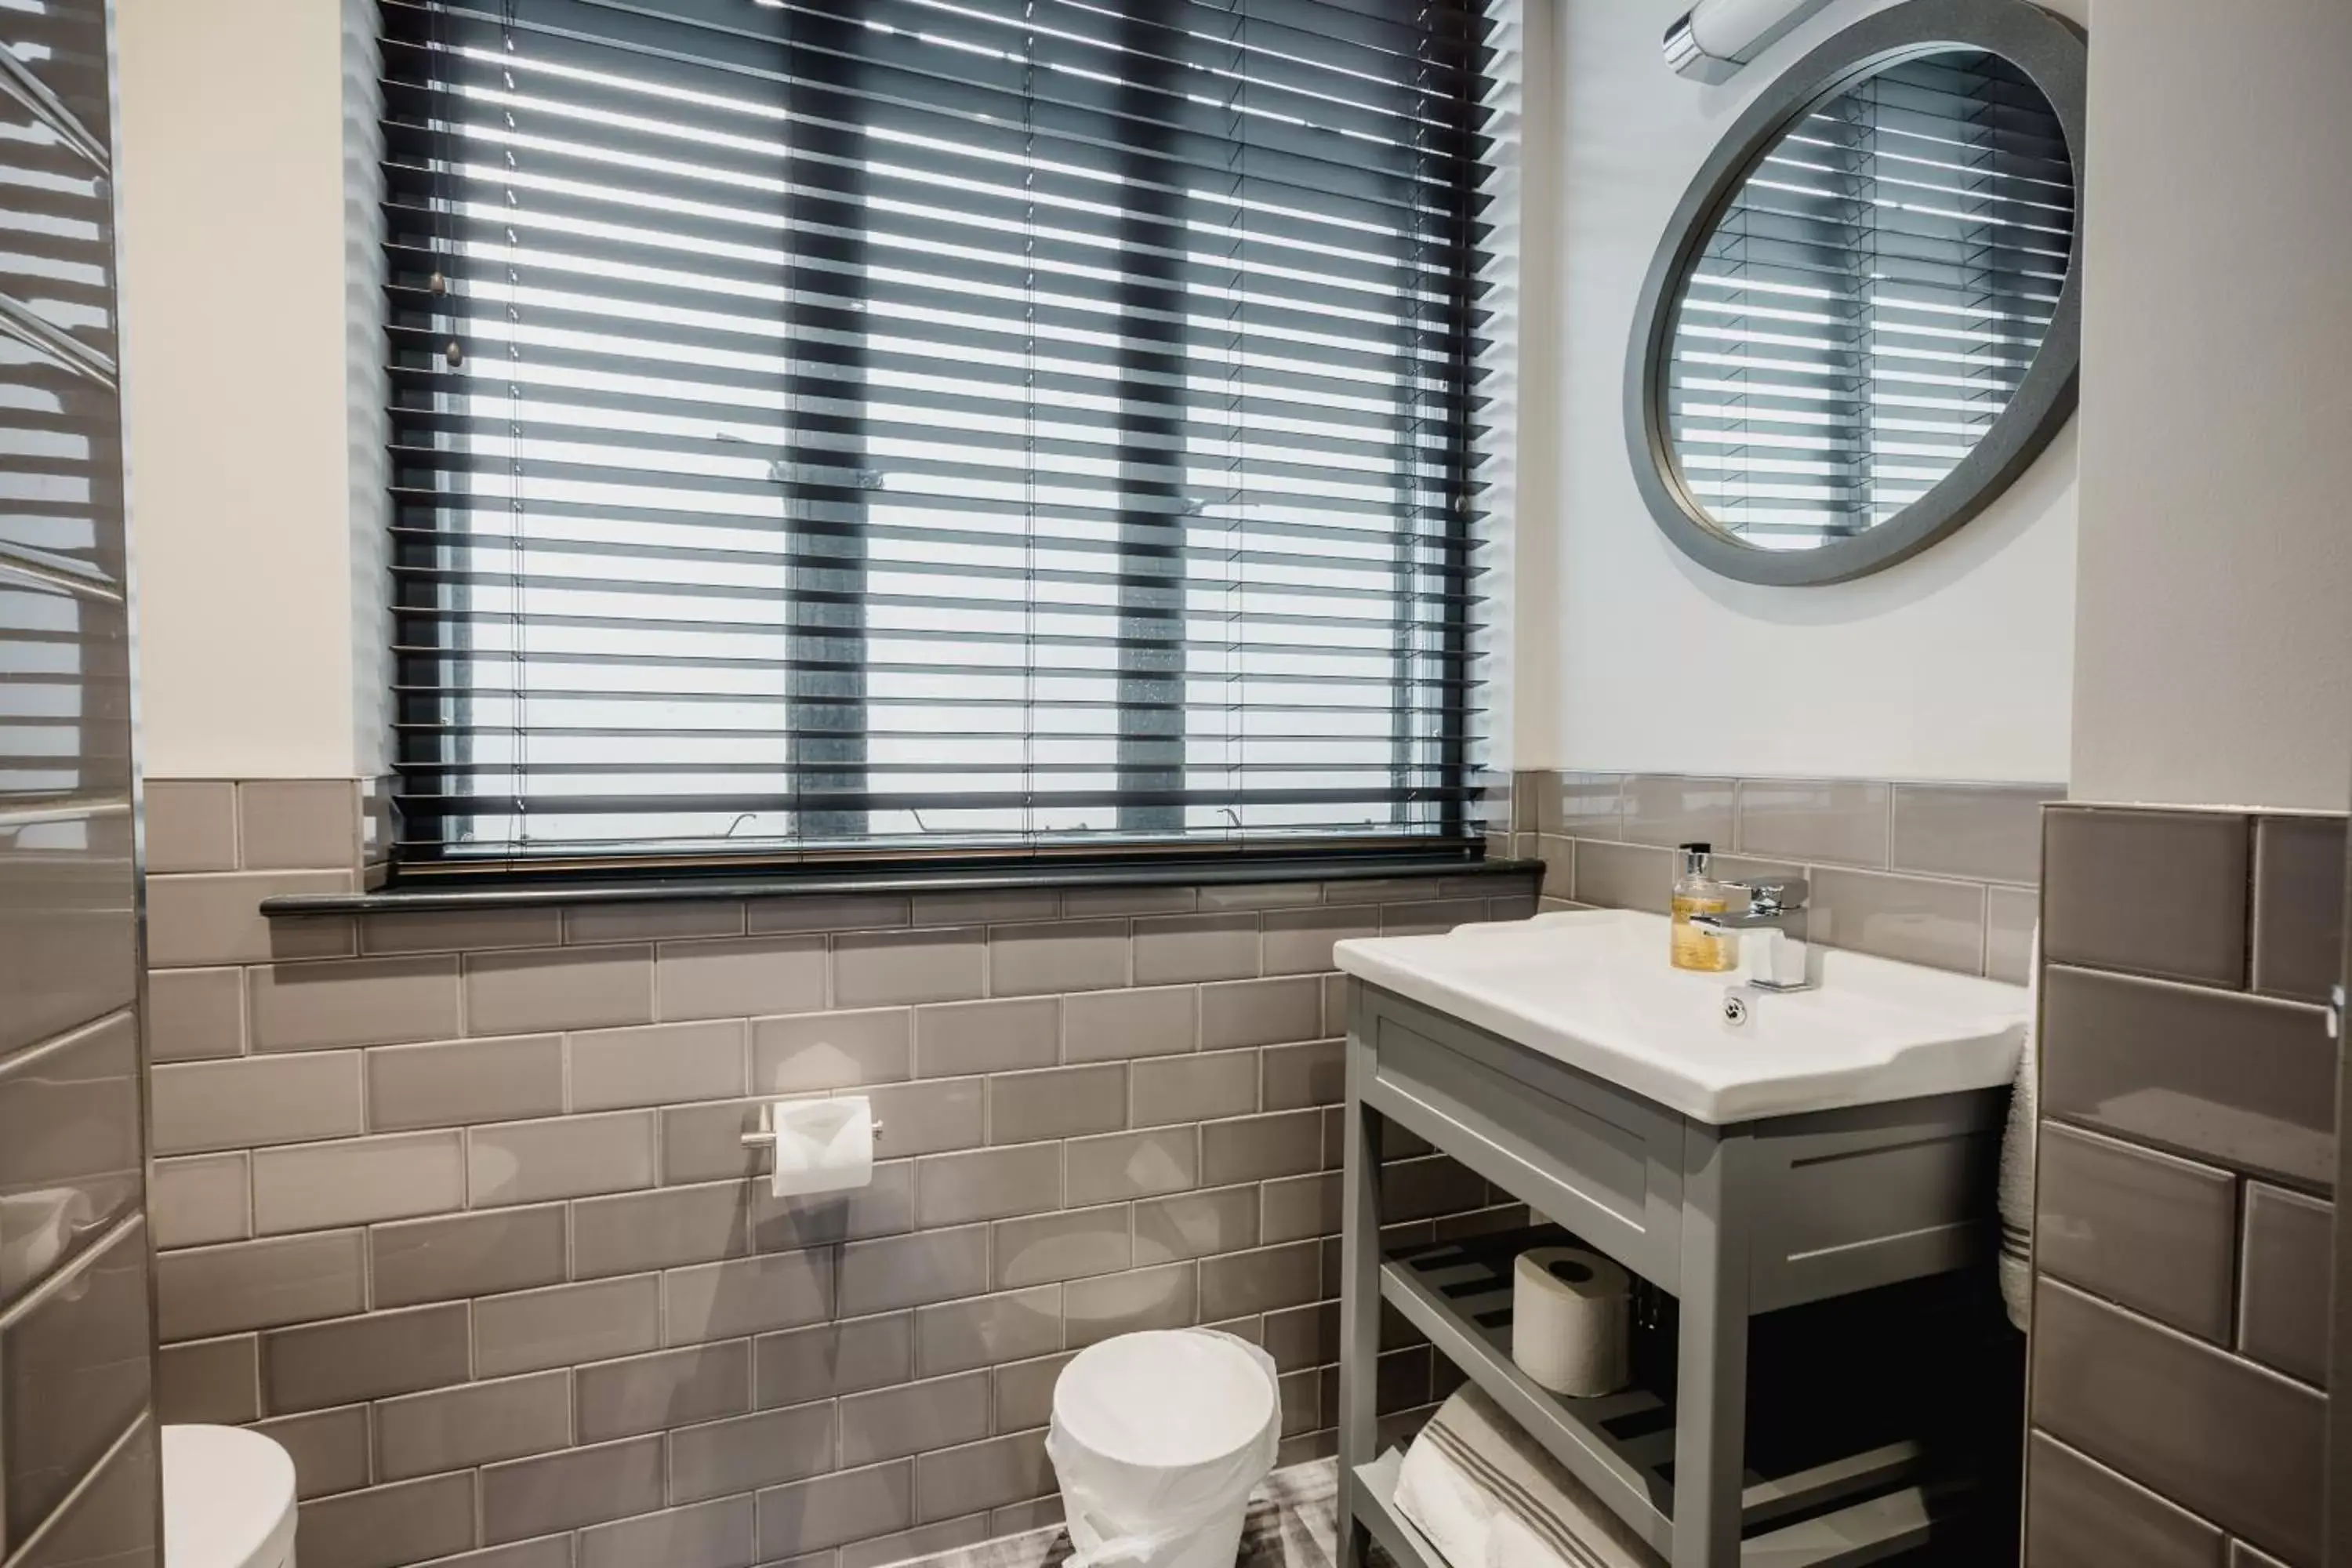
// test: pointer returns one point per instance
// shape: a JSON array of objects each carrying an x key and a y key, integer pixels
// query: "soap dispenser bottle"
[{"x": 1697, "y": 893}]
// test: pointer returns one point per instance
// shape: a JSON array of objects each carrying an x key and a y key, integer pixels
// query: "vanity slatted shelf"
[{"x": 1796, "y": 1215}]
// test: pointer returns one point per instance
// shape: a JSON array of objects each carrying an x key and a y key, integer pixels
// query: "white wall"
[
  {"x": 1956, "y": 664},
  {"x": 2213, "y": 659},
  {"x": 255, "y": 495}
]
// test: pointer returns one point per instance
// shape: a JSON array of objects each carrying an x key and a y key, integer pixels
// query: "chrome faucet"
[{"x": 1775, "y": 954}]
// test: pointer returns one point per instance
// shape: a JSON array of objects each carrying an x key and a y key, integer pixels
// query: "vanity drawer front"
[{"x": 1605, "y": 1163}]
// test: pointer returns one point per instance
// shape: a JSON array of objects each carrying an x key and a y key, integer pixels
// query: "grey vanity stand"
[{"x": 1731, "y": 1220}]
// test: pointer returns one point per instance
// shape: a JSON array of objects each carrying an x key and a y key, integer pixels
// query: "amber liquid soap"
[{"x": 1697, "y": 893}]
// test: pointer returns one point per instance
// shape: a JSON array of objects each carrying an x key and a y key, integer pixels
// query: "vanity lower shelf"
[
  {"x": 1841, "y": 1483},
  {"x": 1869, "y": 1531}
]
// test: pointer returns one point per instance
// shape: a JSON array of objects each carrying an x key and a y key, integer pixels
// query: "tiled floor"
[{"x": 1292, "y": 1525}]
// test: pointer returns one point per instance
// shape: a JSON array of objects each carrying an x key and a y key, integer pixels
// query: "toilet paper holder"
[{"x": 764, "y": 1135}]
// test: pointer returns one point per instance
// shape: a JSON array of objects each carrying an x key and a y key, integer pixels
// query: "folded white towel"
[
  {"x": 2017, "y": 1159},
  {"x": 1445, "y": 1505},
  {"x": 1488, "y": 1496}
]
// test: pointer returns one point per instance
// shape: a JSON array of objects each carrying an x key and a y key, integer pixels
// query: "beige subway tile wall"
[
  {"x": 1939, "y": 874},
  {"x": 2184, "y": 1213},
  {"x": 456, "y": 1204}
]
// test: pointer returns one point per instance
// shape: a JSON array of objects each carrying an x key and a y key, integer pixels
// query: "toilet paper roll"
[
  {"x": 1572, "y": 1318},
  {"x": 821, "y": 1145}
]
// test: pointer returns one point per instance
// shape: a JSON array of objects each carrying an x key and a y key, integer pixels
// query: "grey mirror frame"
[{"x": 2052, "y": 52}]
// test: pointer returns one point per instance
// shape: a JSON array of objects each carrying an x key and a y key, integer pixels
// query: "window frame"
[{"x": 1457, "y": 833}]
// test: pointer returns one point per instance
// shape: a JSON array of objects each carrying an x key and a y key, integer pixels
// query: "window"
[{"x": 846, "y": 427}]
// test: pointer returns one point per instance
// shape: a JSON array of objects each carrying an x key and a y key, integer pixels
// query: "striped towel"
[
  {"x": 1487, "y": 1496},
  {"x": 2017, "y": 1155}
]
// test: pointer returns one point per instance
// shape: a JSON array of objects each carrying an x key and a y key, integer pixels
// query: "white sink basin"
[{"x": 1593, "y": 989}]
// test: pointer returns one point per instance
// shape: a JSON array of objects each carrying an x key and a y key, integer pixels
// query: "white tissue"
[
  {"x": 36, "y": 1230},
  {"x": 821, "y": 1145},
  {"x": 1571, "y": 1320}
]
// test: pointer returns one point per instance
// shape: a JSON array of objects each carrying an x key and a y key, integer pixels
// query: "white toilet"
[{"x": 228, "y": 1500}]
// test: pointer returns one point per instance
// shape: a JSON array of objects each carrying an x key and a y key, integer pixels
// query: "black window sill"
[{"x": 518, "y": 892}]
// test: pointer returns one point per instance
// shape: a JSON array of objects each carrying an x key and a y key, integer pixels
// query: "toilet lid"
[{"x": 228, "y": 1499}]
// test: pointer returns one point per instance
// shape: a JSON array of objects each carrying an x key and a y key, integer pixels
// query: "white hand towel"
[
  {"x": 1488, "y": 1496},
  {"x": 1445, "y": 1505},
  {"x": 2017, "y": 1158}
]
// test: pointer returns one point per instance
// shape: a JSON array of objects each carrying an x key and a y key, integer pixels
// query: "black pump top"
[{"x": 1698, "y": 848}]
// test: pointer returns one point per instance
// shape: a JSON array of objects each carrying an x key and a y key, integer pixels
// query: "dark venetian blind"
[{"x": 896, "y": 427}]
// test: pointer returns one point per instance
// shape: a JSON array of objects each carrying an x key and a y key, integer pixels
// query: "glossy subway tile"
[
  {"x": 452, "y": 1258},
  {"x": 195, "y": 1014},
  {"x": 743, "y": 978},
  {"x": 884, "y": 968},
  {"x": 1177, "y": 949},
  {"x": 328, "y": 1448},
  {"x": 386, "y": 1526},
  {"x": 315, "y": 1187},
  {"x": 74, "y": 1362},
  {"x": 1936, "y": 923},
  {"x": 566, "y": 1324},
  {"x": 299, "y": 822},
  {"x": 1260, "y": 1011},
  {"x": 1987, "y": 833},
  {"x": 191, "y": 826},
  {"x": 2084, "y": 1515},
  {"x": 1056, "y": 1103},
  {"x": 454, "y": 1083},
  {"x": 1176, "y": 1090},
  {"x": 2162, "y": 893},
  {"x": 2283, "y": 1279},
  {"x": 565, "y": 988},
  {"x": 1120, "y": 1026},
  {"x": 679, "y": 1387},
  {"x": 831, "y": 1050},
  {"x": 717, "y": 1458},
  {"x": 204, "y": 919},
  {"x": 363, "y": 1002},
  {"x": 977, "y": 1330},
  {"x": 199, "y": 1106},
  {"x": 660, "y": 1063},
  {"x": 2135, "y": 1058},
  {"x": 459, "y": 931},
  {"x": 201, "y": 1198},
  {"x": 954, "y": 1039},
  {"x": 583, "y": 1485},
  {"x": 475, "y": 1423},
  {"x": 316, "y": 1364},
  {"x": 828, "y": 1359},
  {"x": 2298, "y": 935},
  {"x": 2220, "y": 1437},
  {"x": 1041, "y": 1249},
  {"x": 1063, "y": 956},
  {"x": 563, "y": 1157},
  {"x": 2146, "y": 1230},
  {"x": 1843, "y": 821}
]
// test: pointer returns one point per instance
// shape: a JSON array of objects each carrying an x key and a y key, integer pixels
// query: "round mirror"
[{"x": 1862, "y": 323}]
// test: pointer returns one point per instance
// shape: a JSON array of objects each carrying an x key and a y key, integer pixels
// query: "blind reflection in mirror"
[{"x": 1868, "y": 301}]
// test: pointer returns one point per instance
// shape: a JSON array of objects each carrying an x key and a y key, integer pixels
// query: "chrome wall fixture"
[{"x": 1714, "y": 39}]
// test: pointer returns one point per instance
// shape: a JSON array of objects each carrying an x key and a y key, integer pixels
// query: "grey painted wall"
[{"x": 78, "y": 1481}]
